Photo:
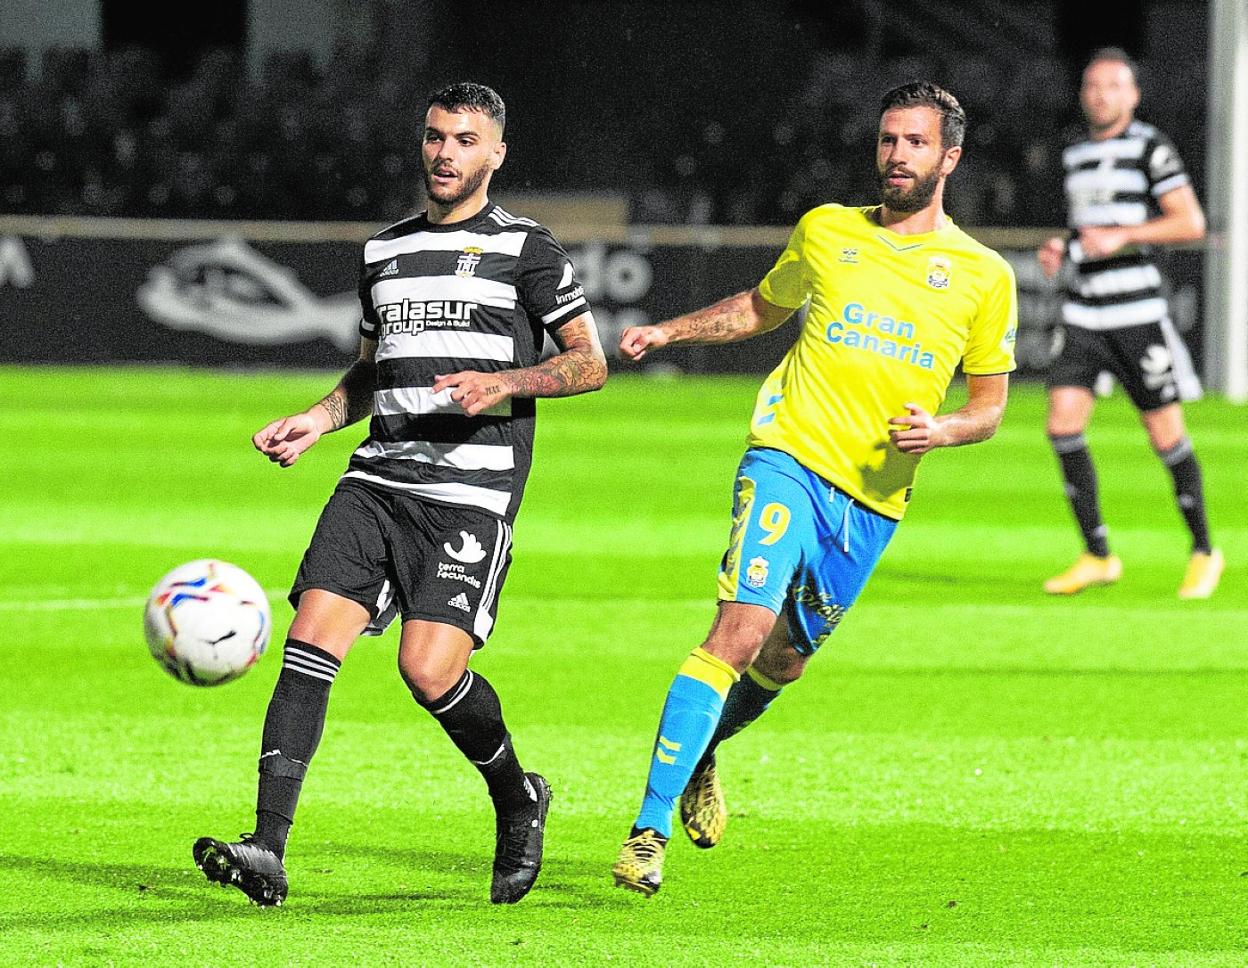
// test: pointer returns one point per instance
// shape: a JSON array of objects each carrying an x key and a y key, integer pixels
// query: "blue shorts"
[{"x": 798, "y": 545}]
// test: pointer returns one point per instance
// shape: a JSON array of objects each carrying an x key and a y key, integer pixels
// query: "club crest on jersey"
[
  {"x": 469, "y": 259},
  {"x": 756, "y": 573},
  {"x": 939, "y": 270}
]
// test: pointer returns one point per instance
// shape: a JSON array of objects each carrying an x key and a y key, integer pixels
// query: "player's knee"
[
  {"x": 1068, "y": 414},
  {"x": 1165, "y": 430},
  {"x": 738, "y": 646},
  {"x": 426, "y": 680},
  {"x": 782, "y": 665},
  {"x": 328, "y": 621},
  {"x": 1061, "y": 426}
]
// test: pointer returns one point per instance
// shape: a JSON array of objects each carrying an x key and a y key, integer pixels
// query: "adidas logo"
[
  {"x": 460, "y": 602},
  {"x": 391, "y": 269}
]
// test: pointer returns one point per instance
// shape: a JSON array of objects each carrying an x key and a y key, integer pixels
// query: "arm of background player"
[
  {"x": 282, "y": 441},
  {"x": 1181, "y": 220},
  {"x": 976, "y": 421},
  {"x": 580, "y": 368},
  {"x": 736, "y": 318}
]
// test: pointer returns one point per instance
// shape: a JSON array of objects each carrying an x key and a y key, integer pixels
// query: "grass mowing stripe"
[{"x": 1104, "y": 826}]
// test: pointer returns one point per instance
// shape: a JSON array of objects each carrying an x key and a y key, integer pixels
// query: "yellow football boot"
[
  {"x": 1204, "y": 571},
  {"x": 640, "y": 864},
  {"x": 1087, "y": 571},
  {"x": 703, "y": 811}
]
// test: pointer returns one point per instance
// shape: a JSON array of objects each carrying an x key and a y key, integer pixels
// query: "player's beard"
[
  {"x": 1104, "y": 121},
  {"x": 468, "y": 184},
  {"x": 912, "y": 199}
]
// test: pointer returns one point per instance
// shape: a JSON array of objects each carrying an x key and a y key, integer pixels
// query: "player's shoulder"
[
  {"x": 1160, "y": 152},
  {"x": 503, "y": 219},
  {"x": 396, "y": 230},
  {"x": 832, "y": 220},
  {"x": 1145, "y": 131},
  {"x": 834, "y": 213},
  {"x": 537, "y": 237},
  {"x": 991, "y": 261}
]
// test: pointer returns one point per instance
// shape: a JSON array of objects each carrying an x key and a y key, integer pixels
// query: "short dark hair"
[
  {"x": 919, "y": 94},
  {"x": 467, "y": 95},
  {"x": 1116, "y": 54}
]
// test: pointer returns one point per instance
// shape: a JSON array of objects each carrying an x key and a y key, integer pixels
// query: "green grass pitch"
[{"x": 970, "y": 774}]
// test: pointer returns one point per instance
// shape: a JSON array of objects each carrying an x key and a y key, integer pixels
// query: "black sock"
[
  {"x": 1189, "y": 491},
  {"x": 746, "y": 701},
  {"x": 1080, "y": 477},
  {"x": 473, "y": 718},
  {"x": 292, "y": 731}
]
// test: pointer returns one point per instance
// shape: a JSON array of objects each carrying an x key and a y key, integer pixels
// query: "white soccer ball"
[{"x": 207, "y": 622}]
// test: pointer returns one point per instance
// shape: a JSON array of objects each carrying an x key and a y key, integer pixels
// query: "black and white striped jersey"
[
  {"x": 1117, "y": 181},
  {"x": 438, "y": 299}
]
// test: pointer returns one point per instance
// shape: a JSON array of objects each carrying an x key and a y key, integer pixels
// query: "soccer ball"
[{"x": 207, "y": 622}]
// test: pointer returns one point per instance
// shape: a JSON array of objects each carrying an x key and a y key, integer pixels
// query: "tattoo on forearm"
[
  {"x": 726, "y": 321},
  {"x": 336, "y": 407},
  {"x": 577, "y": 370},
  {"x": 352, "y": 399}
]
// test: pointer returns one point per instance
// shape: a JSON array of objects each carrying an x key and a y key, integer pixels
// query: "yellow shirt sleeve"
[
  {"x": 788, "y": 283},
  {"x": 990, "y": 348}
]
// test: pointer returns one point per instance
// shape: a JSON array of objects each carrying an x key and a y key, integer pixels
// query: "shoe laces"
[
  {"x": 646, "y": 846},
  {"x": 513, "y": 834}
]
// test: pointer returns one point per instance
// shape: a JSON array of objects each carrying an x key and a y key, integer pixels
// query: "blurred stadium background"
[
  {"x": 973, "y": 774},
  {"x": 199, "y": 176}
]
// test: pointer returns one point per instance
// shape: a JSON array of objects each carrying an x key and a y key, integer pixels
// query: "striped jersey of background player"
[
  {"x": 456, "y": 302},
  {"x": 1126, "y": 190}
]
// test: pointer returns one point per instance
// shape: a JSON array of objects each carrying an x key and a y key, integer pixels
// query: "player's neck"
[
  {"x": 1112, "y": 131},
  {"x": 460, "y": 211},
  {"x": 929, "y": 219}
]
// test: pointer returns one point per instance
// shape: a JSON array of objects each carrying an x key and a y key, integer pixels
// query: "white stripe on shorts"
[{"x": 483, "y": 622}]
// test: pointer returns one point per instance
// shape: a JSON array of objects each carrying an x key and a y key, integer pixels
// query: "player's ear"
[
  {"x": 950, "y": 161},
  {"x": 498, "y": 154}
]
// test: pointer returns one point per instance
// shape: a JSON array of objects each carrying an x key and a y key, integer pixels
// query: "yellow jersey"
[{"x": 890, "y": 318}]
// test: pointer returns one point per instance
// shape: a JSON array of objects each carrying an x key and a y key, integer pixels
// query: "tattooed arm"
[
  {"x": 736, "y": 318},
  {"x": 282, "y": 441},
  {"x": 579, "y": 368}
]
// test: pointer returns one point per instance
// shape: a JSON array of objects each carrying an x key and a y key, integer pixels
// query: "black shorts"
[
  {"x": 392, "y": 552},
  {"x": 1149, "y": 361}
]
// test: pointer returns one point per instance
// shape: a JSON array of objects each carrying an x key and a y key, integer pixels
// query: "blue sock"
[{"x": 694, "y": 703}]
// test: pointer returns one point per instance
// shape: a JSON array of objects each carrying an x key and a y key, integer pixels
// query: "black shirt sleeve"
[
  {"x": 370, "y": 324},
  {"x": 1164, "y": 167},
  {"x": 546, "y": 282}
]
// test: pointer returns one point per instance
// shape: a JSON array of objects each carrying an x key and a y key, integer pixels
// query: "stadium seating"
[{"x": 99, "y": 133}]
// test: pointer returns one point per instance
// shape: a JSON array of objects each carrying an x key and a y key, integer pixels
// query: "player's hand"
[
  {"x": 638, "y": 339},
  {"x": 1050, "y": 256},
  {"x": 922, "y": 432},
  {"x": 282, "y": 441},
  {"x": 474, "y": 392},
  {"x": 1100, "y": 242}
]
